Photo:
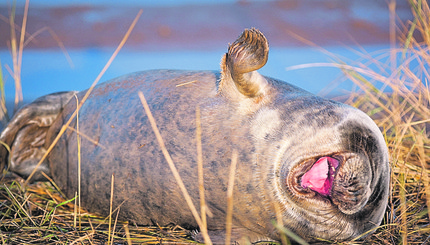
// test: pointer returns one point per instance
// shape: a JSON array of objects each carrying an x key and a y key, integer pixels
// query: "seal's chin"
[{"x": 337, "y": 180}]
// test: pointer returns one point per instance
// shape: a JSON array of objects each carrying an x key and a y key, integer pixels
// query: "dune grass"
[
  {"x": 39, "y": 214},
  {"x": 395, "y": 92},
  {"x": 392, "y": 87}
]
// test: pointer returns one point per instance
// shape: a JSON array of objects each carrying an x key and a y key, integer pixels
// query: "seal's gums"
[{"x": 320, "y": 177}]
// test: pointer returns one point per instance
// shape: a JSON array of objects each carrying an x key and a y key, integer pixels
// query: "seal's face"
[{"x": 333, "y": 171}]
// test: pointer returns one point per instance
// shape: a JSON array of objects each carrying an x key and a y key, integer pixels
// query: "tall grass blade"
[
  {"x": 110, "y": 207},
  {"x": 231, "y": 177},
  {"x": 200, "y": 170},
  {"x": 66, "y": 125},
  {"x": 290, "y": 234},
  {"x": 173, "y": 168},
  {"x": 4, "y": 117}
]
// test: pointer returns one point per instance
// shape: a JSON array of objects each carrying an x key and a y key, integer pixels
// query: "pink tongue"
[{"x": 320, "y": 177}]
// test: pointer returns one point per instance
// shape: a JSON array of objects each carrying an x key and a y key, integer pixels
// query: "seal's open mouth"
[
  {"x": 320, "y": 177},
  {"x": 316, "y": 176},
  {"x": 340, "y": 179}
]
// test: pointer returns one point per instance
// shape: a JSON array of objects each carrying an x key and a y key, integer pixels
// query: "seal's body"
[{"x": 321, "y": 167}]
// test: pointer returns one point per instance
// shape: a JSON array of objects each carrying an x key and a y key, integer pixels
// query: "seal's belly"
[{"x": 117, "y": 140}]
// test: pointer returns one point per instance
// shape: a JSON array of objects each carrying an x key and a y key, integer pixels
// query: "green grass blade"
[{"x": 290, "y": 234}]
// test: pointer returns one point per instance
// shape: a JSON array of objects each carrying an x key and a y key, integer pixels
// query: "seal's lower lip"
[{"x": 315, "y": 176}]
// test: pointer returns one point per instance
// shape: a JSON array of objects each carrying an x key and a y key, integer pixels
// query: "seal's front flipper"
[
  {"x": 25, "y": 135},
  {"x": 245, "y": 56}
]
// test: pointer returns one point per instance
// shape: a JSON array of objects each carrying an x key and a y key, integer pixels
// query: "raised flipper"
[
  {"x": 245, "y": 56},
  {"x": 25, "y": 135}
]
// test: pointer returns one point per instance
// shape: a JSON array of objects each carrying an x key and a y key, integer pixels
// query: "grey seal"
[{"x": 320, "y": 165}]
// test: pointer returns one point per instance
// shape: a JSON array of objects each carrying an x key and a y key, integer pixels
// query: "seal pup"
[{"x": 320, "y": 165}]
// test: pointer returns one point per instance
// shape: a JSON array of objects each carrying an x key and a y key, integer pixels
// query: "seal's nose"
[{"x": 351, "y": 187}]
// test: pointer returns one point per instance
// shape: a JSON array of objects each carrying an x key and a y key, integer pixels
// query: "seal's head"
[
  {"x": 333, "y": 172},
  {"x": 325, "y": 164}
]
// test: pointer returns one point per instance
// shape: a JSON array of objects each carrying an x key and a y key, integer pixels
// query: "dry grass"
[
  {"x": 393, "y": 88},
  {"x": 39, "y": 214}
]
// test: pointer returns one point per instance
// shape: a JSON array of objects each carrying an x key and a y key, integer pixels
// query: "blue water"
[{"x": 48, "y": 71}]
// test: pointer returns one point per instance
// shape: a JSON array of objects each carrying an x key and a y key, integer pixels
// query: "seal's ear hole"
[{"x": 26, "y": 134}]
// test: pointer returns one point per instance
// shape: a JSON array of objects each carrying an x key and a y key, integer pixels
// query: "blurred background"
[{"x": 71, "y": 41}]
